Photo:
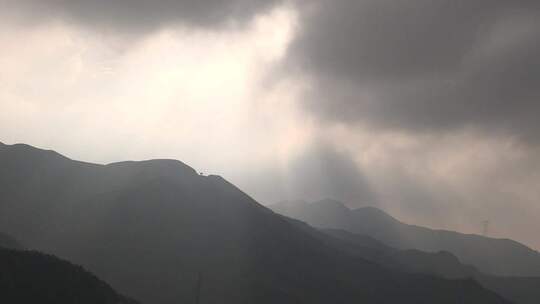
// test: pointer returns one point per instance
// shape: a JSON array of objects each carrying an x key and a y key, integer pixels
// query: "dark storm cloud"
[
  {"x": 136, "y": 15},
  {"x": 423, "y": 65}
]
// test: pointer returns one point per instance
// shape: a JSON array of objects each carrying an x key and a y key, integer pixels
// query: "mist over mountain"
[
  {"x": 162, "y": 233},
  {"x": 520, "y": 290},
  {"x": 492, "y": 256}
]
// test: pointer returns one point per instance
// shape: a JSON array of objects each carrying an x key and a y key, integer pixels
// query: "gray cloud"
[
  {"x": 425, "y": 71},
  {"x": 135, "y": 15},
  {"x": 449, "y": 182},
  {"x": 493, "y": 181},
  {"x": 423, "y": 65}
]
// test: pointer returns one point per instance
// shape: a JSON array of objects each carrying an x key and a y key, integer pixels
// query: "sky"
[{"x": 425, "y": 108}]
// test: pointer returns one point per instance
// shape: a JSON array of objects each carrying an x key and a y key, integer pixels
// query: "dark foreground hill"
[
  {"x": 492, "y": 256},
  {"x": 33, "y": 277},
  {"x": 162, "y": 233}
]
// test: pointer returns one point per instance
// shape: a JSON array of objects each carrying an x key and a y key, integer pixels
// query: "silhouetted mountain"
[
  {"x": 440, "y": 263},
  {"x": 159, "y": 231},
  {"x": 520, "y": 290},
  {"x": 493, "y": 256},
  {"x": 33, "y": 277}
]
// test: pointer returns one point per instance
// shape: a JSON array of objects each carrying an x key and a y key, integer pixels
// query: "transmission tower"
[
  {"x": 199, "y": 285},
  {"x": 198, "y": 288},
  {"x": 485, "y": 227}
]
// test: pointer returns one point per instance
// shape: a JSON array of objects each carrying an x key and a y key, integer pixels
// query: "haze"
[{"x": 427, "y": 109}]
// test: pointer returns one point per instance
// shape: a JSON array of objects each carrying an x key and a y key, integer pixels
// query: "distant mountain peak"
[
  {"x": 331, "y": 205},
  {"x": 374, "y": 211},
  {"x": 493, "y": 256},
  {"x": 329, "y": 201}
]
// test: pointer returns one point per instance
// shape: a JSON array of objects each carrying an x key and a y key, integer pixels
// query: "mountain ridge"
[
  {"x": 151, "y": 234},
  {"x": 497, "y": 256}
]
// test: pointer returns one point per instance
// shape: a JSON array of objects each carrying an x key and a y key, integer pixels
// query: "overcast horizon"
[{"x": 427, "y": 109}]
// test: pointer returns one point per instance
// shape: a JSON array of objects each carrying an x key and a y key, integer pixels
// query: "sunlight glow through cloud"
[{"x": 187, "y": 89}]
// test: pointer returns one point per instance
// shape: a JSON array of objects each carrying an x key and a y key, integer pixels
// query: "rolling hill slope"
[
  {"x": 33, "y": 277},
  {"x": 162, "y": 233},
  {"x": 492, "y": 256}
]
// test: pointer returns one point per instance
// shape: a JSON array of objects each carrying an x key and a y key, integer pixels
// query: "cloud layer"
[
  {"x": 425, "y": 65},
  {"x": 135, "y": 16}
]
